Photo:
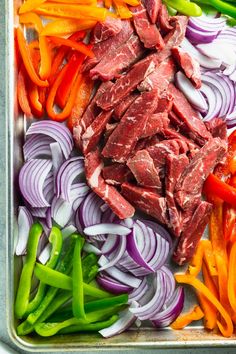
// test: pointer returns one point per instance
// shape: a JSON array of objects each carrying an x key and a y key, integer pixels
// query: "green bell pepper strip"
[
  {"x": 23, "y": 292},
  {"x": 221, "y": 6},
  {"x": 55, "y": 238},
  {"x": 185, "y": 7}
]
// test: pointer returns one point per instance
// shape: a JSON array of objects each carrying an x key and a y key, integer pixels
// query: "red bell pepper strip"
[
  {"x": 229, "y": 222},
  {"x": 79, "y": 46},
  {"x": 22, "y": 92},
  {"x": 214, "y": 186},
  {"x": 36, "y": 105}
]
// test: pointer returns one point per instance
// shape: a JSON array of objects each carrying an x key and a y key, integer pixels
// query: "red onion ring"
[
  {"x": 112, "y": 285},
  {"x": 25, "y": 222}
]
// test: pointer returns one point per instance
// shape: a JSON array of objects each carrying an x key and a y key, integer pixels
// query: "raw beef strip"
[
  {"x": 109, "y": 129},
  {"x": 93, "y": 133},
  {"x": 165, "y": 102},
  {"x": 126, "y": 83},
  {"x": 155, "y": 123},
  {"x": 144, "y": 170},
  {"x": 124, "y": 138},
  {"x": 189, "y": 187},
  {"x": 176, "y": 121},
  {"x": 116, "y": 174},
  {"x": 104, "y": 30},
  {"x": 93, "y": 168},
  {"x": 147, "y": 32},
  {"x": 122, "y": 107},
  {"x": 170, "y": 133},
  {"x": 192, "y": 234},
  {"x": 114, "y": 62},
  {"x": 160, "y": 151},
  {"x": 146, "y": 200},
  {"x": 189, "y": 65},
  {"x": 163, "y": 19},
  {"x": 193, "y": 125},
  {"x": 153, "y": 7},
  {"x": 174, "y": 168},
  {"x": 90, "y": 114},
  {"x": 160, "y": 77},
  {"x": 217, "y": 127},
  {"x": 111, "y": 44}
]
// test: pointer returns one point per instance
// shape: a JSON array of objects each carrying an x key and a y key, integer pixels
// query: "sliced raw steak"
[
  {"x": 114, "y": 62},
  {"x": 153, "y": 7},
  {"x": 93, "y": 133},
  {"x": 189, "y": 187},
  {"x": 111, "y": 44},
  {"x": 176, "y": 121},
  {"x": 165, "y": 102},
  {"x": 104, "y": 30},
  {"x": 144, "y": 170},
  {"x": 109, "y": 129},
  {"x": 147, "y": 32},
  {"x": 170, "y": 133},
  {"x": 193, "y": 125},
  {"x": 124, "y": 138},
  {"x": 218, "y": 128},
  {"x": 160, "y": 77},
  {"x": 93, "y": 169},
  {"x": 122, "y": 107},
  {"x": 174, "y": 168},
  {"x": 192, "y": 234},
  {"x": 116, "y": 174},
  {"x": 189, "y": 65},
  {"x": 89, "y": 115},
  {"x": 155, "y": 123},
  {"x": 146, "y": 200},
  {"x": 160, "y": 151},
  {"x": 163, "y": 19},
  {"x": 126, "y": 83}
]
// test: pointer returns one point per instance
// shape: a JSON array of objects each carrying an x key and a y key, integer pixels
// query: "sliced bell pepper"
[
  {"x": 22, "y": 93},
  {"x": 204, "y": 251},
  {"x": 229, "y": 222},
  {"x": 122, "y": 9},
  {"x": 79, "y": 2},
  {"x": 32, "y": 18},
  {"x": 232, "y": 277},
  {"x": 81, "y": 102},
  {"x": 132, "y": 2},
  {"x": 227, "y": 328},
  {"x": 108, "y": 3},
  {"x": 46, "y": 58},
  {"x": 193, "y": 315},
  {"x": 27, "y": 60},
  {"x": 79, "y": 46},
  {"x": 36, "y": 105},
  {"x": 66, "y": 26},
  {"x": 214, "y": 186},
  {"x": 30, "y": 5}
]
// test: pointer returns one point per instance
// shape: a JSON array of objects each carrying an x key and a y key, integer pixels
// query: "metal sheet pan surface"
[{"x": 139, "y": 338}]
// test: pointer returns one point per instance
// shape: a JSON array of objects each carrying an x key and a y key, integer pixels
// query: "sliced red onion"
[
  {"x": 45, "y": 254},
  {"x": 160, "y": 230},
  {"x": 104, "y": 207},
  {"x": 57, "y": 159},
  {"x": 49, "y": 218},
  {"x": 213, "y": 99},
  {"x": 138, "y": 293},
  {"x": 221, "y": 51},
  {"x": 170, "y": 282},
  {"x": 39, "y": 212},
  {"x": 198, "y": 36},
  {"x": 37, "y": 147},
  {"x": 61, "y": 211},
  {"x": 48, "y": 187},
  {"x": 57, "y": 131},
  {"x": 46, "y": 229},
  {"x": 88, "y": 247},
  {"x": 78, "y": 191},
  {"x": 69, "y": 171},
  {"x": 43, "y": 241},
  {"x": 114, "y": 229},
  {"x": 89, "y": 211},
  {"x": 25, "y": 222},
  {"x": 112, "y": 285},
  {"x": 129, "y": 222},
  {"x": 109, "y": 217},
  {"x": 172, "y": 310},
  {"x": 116, "y": 255},
  {"x": 114, "y": 272},
  {"x": 202, "y": 59},
  {"x": 110, "y": 244},
  {"x": 204, "y": 29},
  {"x": 126, "y": 319},
  {"x": 193, "y": 95},
  {"x": 31, "y": 181},
  {"x": 68, "y": 231}
]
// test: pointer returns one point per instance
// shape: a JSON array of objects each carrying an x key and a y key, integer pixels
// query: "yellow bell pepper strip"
[
  {"x": 232, "y": 277},
  {"x": 204, "y": 251},
  {"x": 81, "y": 102},
  {"x": 195, "y": 265},
  {"x": 79, "y": 2},
  {"x": 27, "y": 60},
  {"x": 210, "y": 311},
  {"x": 66, "y": 26},
  {"x": 30, "y": 5},
  {"x": 227, "y": 328},
  {"x": 80, "y": 12},
  {"x": 108, "y": 3},
  {"x": 79, "y": 46},
  {"x": 193, "y": 315},
  {"x": 22, "y": 93},
  {"x": 214, "y": 186},
  {"x": 122, "y": 9},
  {"x": 132, "y": 2},
  {"x": 33, "y": 19}
]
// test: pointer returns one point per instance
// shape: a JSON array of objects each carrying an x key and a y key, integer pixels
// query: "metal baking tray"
[{"x": 139, "y": 338}]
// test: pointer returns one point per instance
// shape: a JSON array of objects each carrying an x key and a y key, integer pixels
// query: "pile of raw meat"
[{"x": 145, "y": 146}]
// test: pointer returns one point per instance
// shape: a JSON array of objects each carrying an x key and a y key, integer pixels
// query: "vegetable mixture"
[{"x": 127, "y": 159}]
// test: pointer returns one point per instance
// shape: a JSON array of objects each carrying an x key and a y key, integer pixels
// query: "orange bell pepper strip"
[
  {"x": 34, "y": 100},
  {"x": 32, "y": 18},
  {"x": 66, "y": 26},
  {"x": 79, "y": 2},
  {"x": 122, "y": 9},
  {"x": 22, "y": 94},
  {"x": 227, "y": 328},
  {"x": 108, "y": 3},
  {"x": 229, "y": 222},
  {"x": 72, "y": 71},
  {"x": 80, "y": 12},
  {"x": 81, "y": 102},
  {"x": 79, "y": 46},
  {"x": 60, "y": 117},
  {"x": 203, "y": 251},
  {"x": 17, "y": 56},
  {"x": 27, "y": 60},
  {"x": 132, "y": 2},
  {"x": 210, "y": 311},
  {"x": 183, "y": 320},
  {"x": 30, "y": 5},
  {"x": 214, "y": 186},
  {"x": 232, "y": 277}
]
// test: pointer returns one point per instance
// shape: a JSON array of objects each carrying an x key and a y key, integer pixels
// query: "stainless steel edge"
[{"x": 140, "y": 339}]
